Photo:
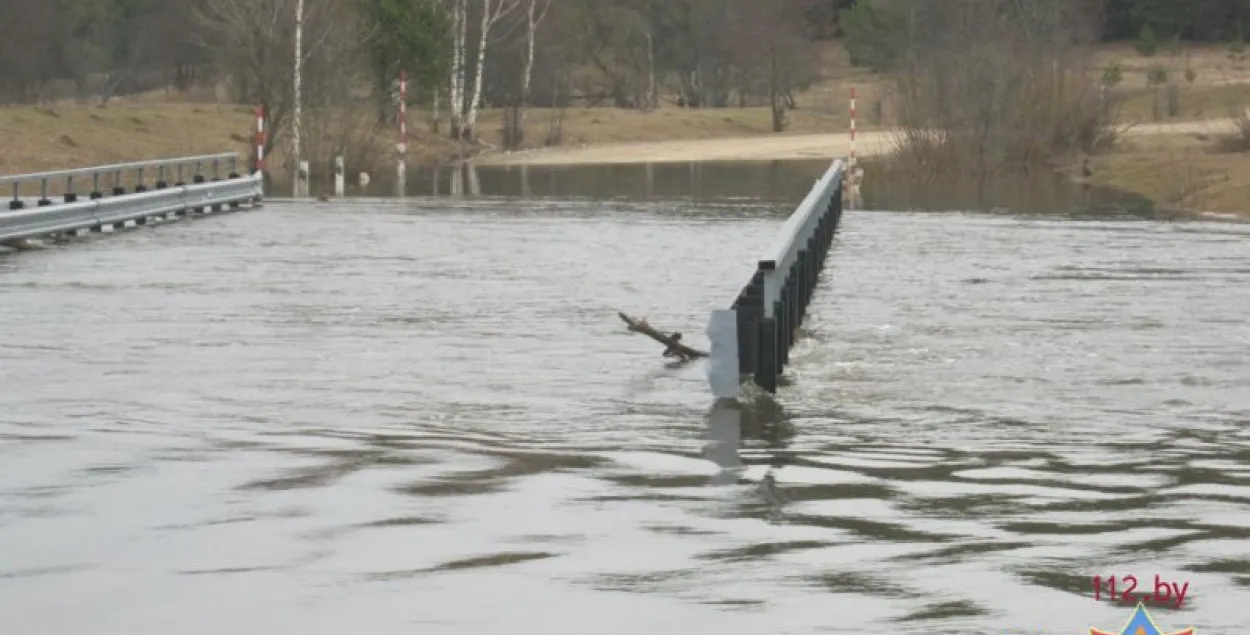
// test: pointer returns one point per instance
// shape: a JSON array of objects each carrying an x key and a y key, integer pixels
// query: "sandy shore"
[{"x": 771, "y": 148}]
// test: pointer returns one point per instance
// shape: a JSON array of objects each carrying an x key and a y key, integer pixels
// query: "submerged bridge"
[
  {"x": 65, "y": 202},
  {"x": 750, "y": 340}
]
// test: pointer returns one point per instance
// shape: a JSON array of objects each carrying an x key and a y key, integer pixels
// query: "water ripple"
[{"x": 355, "y": 419}]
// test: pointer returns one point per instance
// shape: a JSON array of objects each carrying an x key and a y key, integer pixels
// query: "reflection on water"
[
  {"x": 425, "y": 417},
  {"x": 1049, "y": 193},
  {"x": 777, "y": 181},
  {"x": 767, "y": 180}
]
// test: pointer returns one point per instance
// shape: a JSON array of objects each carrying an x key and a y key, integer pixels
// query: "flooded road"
[
  {"x": 427, "y": 419},
  {"x": 886, "y": 187}
]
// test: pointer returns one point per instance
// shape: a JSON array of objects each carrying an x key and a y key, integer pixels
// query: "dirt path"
[{"x": 807, "y": 146}]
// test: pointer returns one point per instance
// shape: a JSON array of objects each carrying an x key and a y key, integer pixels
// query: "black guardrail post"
[
  {"x": 234, "y": 174},
  {"x": 749, "y": 308},
  {"x": 767, "y": 369},
  {"x": 17, "y": 202},
  {"x": 764, "y": 343},
  {"x": 198, "y": 178},
  {"x": 44, "y": 201}
]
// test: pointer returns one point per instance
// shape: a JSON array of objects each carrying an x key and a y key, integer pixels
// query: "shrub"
[{"x": 1147, "y": 43}]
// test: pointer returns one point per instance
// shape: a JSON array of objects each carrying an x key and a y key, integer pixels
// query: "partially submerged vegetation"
[{"x": 986, "y": 86}]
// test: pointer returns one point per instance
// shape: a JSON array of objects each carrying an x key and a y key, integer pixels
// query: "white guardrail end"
[{"x": 722, "y": 359}]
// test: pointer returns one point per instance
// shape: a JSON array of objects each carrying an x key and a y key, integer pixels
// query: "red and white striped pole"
[
  {"x": 260, "y": 138},
  {"x": 852, "y": 159},
  {"x": 401, "y": 167}
]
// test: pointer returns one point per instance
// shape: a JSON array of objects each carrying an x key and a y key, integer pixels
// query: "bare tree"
[
  {"x": 514, "y": 116},
  {"x": 650, "y": 34},
  {"x": 22, "y": 32},
  {"x": 492, "y": 12},
  {"x": 455, "y": 83},
  {"x": 986, "y": 85},
  {"x": 535, "y": 11},
  {"x": 254, "y": 41}
]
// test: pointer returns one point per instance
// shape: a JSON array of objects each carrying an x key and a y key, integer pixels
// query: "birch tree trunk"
[
  {"x": 295, "y": 122},
  {"x": 492, "y": 11},
  {"x": 455, "y": 87},
  {"x": 532, "y": 19},
  {"x": 470, "y": 122},
  {"x": 652, "y": 98},
  {"x": 650, "y": 69},
  {"x": 528, "y": 69},
  {"x": 436, "y": 115}
]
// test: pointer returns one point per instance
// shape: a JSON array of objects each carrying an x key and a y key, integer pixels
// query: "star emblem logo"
[{"x": 1140, "y": 624}]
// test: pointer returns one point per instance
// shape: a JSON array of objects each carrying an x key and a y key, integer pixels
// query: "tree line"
[
  {"x": 466, "y": 55},
  {"x": 624, "y": 53}
]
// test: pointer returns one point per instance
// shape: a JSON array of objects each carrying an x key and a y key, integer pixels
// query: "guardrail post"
[
  {"x": 161, "y": 183},
  {"x": 216, "y": 207},
  {"x": 44, "y": 201},
  {"x": 198, "y": 178},
  {"x": 749, "y": 308},
  {"x": 17, "y": 202},
  {"x": 814, "y": 252},
  {"x": 119, "y": 183},
  {"x": 802, "y": 285},
  {"x": 338, "y": 177},
  {"x": 836, "y": 203},
  {"x": 302, "y": 177},
  {"x": 70, "y": 195},
  {"x": 790, "y": 314},
  {"x": 95, "y": 186},
  {"x": 234, "y": 174},
  {"x": 140, "y": 187},
  {"x": 180, "y": 182},
  {"x": 767, "y": 371}
]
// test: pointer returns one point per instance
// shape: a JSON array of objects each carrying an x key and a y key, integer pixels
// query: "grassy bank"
[
  {"x": 70, "y": 134},
  {"x": 1192, "y": 173}
]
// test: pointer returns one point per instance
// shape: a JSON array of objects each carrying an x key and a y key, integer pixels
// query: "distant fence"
[
  {"x": 751, "y": 340},
  {"x": 118, "y": 193}
]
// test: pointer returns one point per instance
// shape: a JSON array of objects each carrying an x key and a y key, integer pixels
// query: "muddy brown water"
[
  {"x": 424, "y": 417},
  {"x": 775, "y": 181}
]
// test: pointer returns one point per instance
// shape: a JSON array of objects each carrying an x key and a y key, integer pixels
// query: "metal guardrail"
[
  {"x": 752, "y": 339},
  {"x": 119, "y": 175},
  {"x": 96, "y": 213}
]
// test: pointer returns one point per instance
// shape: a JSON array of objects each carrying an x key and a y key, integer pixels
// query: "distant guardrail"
[
  {"x": 137, "y": 191},
  {"x": 751, "y": 340}
]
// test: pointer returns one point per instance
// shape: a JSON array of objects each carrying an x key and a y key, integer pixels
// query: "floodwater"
[
  {"x": 775, "y": 181},
  {"x": 425, "y": 417}
]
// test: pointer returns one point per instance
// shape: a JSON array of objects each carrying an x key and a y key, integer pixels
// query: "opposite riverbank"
[
  {"x": 1193, "y": 160},
  {"x": 1179, "y": 164}
]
